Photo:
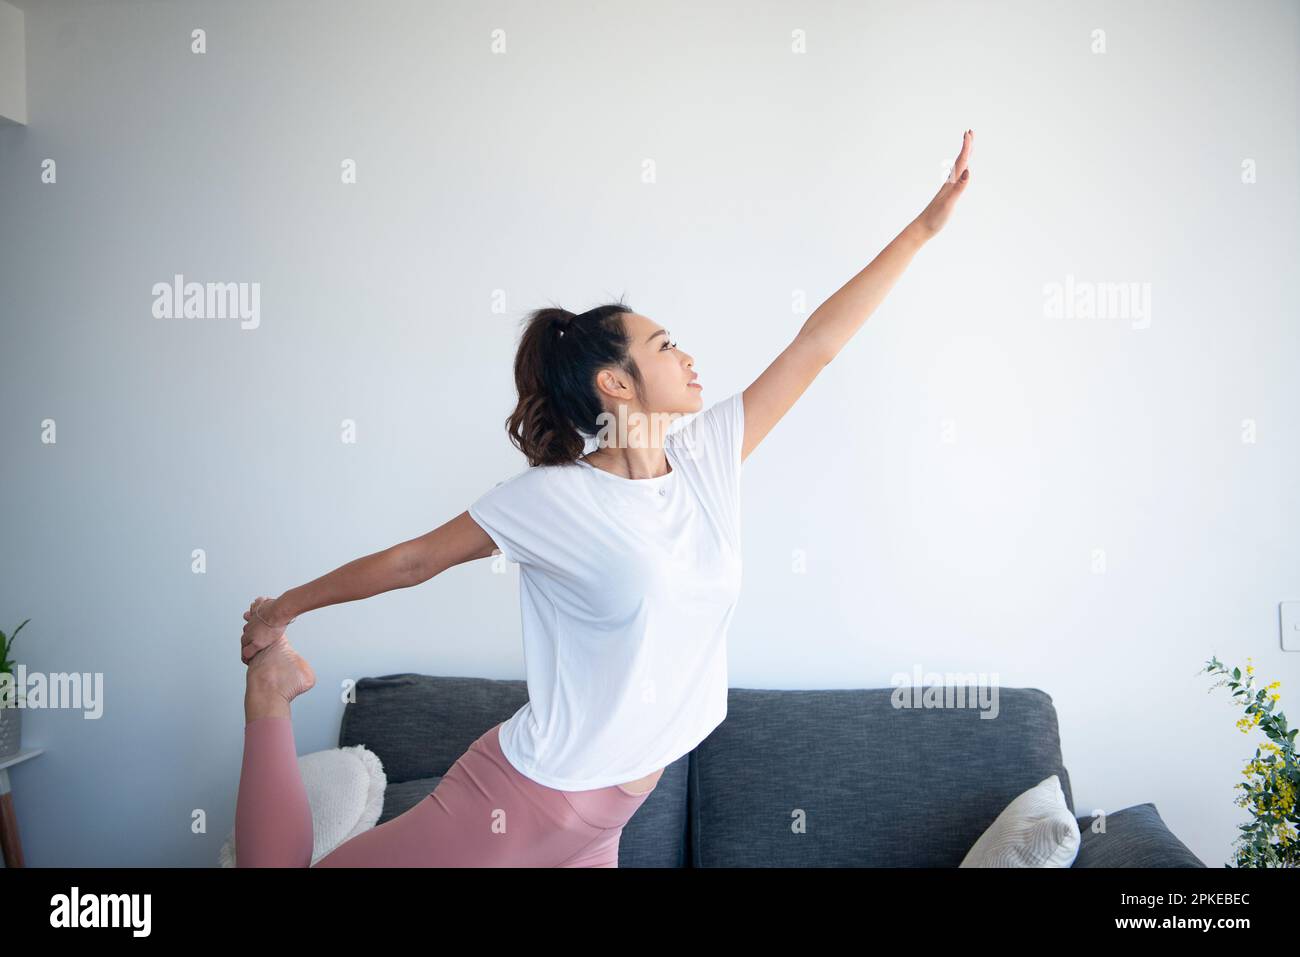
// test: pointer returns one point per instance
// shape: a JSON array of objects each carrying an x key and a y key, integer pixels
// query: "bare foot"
[{"x": 276, "y": 675}]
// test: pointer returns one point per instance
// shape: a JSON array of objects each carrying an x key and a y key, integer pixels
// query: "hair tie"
[{"x": 562, "y": 323}]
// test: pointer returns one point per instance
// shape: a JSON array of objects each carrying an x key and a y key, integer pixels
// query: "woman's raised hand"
[
  {"x": 257, "y": 633},
  {"x": 934, "y": 216}
]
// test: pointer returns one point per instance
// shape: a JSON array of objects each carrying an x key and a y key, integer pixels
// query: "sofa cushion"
[
  {"x": 420, "y": 724},
  {"x": 1134, "y": 837},
  {"x": 1034, "y": 830},
  {"x": 400, "y": 798},
  {"x": 843, "y": 778}
]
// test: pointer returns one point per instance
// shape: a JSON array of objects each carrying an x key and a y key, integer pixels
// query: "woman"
[{"x": 629, "y": 573}]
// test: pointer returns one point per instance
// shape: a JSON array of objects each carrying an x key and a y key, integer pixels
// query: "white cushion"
[
  {"x": 345, "y": 789},
  {"x": 1037, "y": 829}
]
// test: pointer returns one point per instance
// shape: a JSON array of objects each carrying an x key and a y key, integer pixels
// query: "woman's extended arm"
[
  {"x": 836, "y": 320},
  {"x": 401, "y": 566}
]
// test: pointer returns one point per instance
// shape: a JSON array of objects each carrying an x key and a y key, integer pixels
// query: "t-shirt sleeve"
[
  {"x": 713, "y": 440},
  {"x": 511, "y": 519}
]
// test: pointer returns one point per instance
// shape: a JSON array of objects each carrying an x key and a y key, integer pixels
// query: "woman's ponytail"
[{"x": 556, "y": 363}]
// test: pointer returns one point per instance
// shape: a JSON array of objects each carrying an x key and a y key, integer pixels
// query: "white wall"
[
  {"x": 13, "y": 65},
  {"x": 489, "y": 184}
]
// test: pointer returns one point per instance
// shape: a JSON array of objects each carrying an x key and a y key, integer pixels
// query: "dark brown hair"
[{"x": 556, "y": 363}]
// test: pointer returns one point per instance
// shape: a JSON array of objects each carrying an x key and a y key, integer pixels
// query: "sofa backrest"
[
  {"x": 835, "y": 778},
  {"x": 847, "y": 779}
]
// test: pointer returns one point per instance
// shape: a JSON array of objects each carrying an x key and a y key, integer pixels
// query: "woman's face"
[{"x": 668, "y": 380}]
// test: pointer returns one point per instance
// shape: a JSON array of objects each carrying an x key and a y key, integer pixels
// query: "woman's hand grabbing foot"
[{"x": 264, "y": 625}]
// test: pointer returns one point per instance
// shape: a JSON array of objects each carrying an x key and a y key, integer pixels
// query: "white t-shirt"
[{"x": 626, "y": 590}]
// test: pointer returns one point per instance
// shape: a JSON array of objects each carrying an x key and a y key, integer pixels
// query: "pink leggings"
[{"x": 483, "y": 813}]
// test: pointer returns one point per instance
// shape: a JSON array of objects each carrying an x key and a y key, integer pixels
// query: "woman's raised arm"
[{"x": 835, "y": 321}]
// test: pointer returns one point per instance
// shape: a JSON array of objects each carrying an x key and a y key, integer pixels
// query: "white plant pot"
[{"x": 11, "y": 730}]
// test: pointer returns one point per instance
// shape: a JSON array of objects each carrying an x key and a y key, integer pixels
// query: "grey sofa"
[{"x": 837, "y": 778}]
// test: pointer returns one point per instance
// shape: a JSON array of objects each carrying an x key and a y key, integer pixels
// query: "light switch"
[{"x": 1290, "y": 625}]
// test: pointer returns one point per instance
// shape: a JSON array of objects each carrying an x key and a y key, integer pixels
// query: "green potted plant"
[
  {"x": 1273, "y": 774},
  {"x": 11, "y": 713}
]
